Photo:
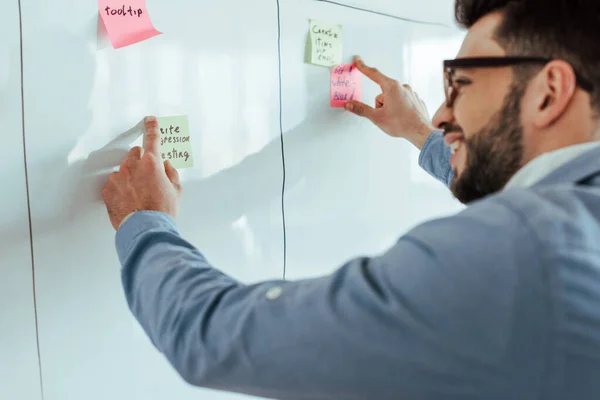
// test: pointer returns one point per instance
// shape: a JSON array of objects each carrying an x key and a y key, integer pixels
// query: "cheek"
[
  {"x": 461, "y": 159},
  {"x": 472, "y": 114},
  {"x": 476, "y": 107}
]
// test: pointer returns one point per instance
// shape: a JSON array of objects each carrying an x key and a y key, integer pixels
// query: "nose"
[{"x": 444, "y": 116}]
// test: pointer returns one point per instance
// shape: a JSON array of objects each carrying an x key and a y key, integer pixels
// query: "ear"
[{"x": 554, "y": 90}]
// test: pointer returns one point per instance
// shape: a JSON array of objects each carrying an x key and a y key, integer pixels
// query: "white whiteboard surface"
[
  {"x": 350, "y": 190},
  {"x": 217, "y": 64},
  {"x": 440, "y": 12},
  {"x": 353, "y": 190},
  {"x": 19, "y": 371}
]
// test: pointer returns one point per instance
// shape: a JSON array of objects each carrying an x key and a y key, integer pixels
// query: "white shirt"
[{"x": 543, "y": 165}]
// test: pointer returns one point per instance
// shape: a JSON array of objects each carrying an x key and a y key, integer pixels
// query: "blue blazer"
[{"x": 501, "y": 301}]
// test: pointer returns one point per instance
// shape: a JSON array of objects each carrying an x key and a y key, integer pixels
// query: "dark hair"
[{"x": 563, "y": 29}]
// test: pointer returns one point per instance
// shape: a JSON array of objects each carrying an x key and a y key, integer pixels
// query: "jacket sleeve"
[
  {"x": 435, "y": 158},
  {"x": 431, "y": 318}
]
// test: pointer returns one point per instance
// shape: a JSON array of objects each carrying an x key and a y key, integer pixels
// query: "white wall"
[
  {"x": 350, "y": 190},
  {"x": 19, "y": 372}
]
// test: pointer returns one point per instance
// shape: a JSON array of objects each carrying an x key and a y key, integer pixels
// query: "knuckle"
[
  {"x": 150, "y": 161},
  {"x": 152, "y": 135},
  {"x": 136, "y": 151}
]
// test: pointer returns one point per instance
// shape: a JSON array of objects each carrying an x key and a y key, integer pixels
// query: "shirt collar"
[{"x": 542, "y": 165}]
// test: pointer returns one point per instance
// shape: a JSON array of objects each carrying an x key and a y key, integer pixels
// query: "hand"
[
  {"x": 398, "y": 111},
  {"x": 143, "y": 181}
]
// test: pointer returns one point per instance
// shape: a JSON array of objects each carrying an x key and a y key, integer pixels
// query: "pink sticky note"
[
  {"x": 346, "y": 85},
  {"x": 126, "y": 21}
]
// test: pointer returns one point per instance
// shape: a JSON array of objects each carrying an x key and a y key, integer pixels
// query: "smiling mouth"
[
  {"x": 455, "y": 146},
  {"x": 454, "y": 140}
]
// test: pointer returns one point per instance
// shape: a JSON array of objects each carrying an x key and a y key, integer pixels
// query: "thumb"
[
  {"x": 360, "y": 109},
  {"x": 172, "y": 174}
]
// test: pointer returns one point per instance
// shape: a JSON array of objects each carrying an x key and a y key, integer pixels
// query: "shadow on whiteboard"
[
  {"x": 225, "y": 197},
  {"x": 248, "y": 185},
  {"x": 103, "y": 41},
  {"x": 86, "y": 178}
]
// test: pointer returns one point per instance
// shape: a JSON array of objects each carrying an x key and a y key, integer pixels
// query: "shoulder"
[
  {"x": 487, "y": 229},
  {"x": 484, "y": 247},
  {"x": 525, "y": 222},
  {"x": 557, "y": 215}
]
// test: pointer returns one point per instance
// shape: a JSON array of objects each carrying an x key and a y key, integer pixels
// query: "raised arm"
[
  {"x": 433, "y": 317},
  {"x": 435, "y": 158}
]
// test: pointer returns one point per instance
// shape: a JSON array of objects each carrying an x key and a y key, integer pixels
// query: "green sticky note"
[
  {"x": 325, "y": 43},
  {"x": 175, "y": 141}
]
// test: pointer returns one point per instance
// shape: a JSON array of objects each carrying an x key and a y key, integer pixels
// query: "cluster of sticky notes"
[
  {"x": 126, "y": 21},
  {"x": 175, "y": 141},
  {"x": 325, "y": 43},
  {"x": 346, "y": 85}
]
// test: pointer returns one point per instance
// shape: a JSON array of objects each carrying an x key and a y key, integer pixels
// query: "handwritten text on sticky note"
[
  {"x": 175, "y": 141},
  {"x": 346, "y": 85},
  {"x": 326, "y": 43},
  {"x": 126, "y": 23}
]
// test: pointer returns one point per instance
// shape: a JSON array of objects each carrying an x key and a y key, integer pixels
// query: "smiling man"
[
  {"x": 501, "y": 301},
  {"x": 524, "y": 85}
]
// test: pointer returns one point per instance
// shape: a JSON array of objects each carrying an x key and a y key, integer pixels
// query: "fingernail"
[
  {"x": 150, "y": 119},
  {"x": 358, "y": 59},
  {"x": 349, "y": 106}
]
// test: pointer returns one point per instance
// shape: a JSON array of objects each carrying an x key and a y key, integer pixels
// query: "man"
[{"x": 501, "y": 301}]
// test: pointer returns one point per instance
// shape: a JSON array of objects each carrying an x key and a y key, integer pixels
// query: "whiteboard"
[
  {"x": 19, "y": 371},
  {"x": 353, "y": 190},
  {"x": 349, "y": 189},
  {"x": 436, "y": 12}
]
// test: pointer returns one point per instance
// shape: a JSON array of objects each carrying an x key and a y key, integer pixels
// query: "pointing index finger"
[
  {"x": 151, "y": 136},
  {"x": 371, "y": 73}
]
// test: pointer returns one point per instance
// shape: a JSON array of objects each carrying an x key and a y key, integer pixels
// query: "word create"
[
  {"x": 128, "y": 23},
  {"x": 175, "y": 141},
  {"x": 122, "y": 11},
  {"x": 346, "y": 85},
  {"x": 326, "y": 43}
]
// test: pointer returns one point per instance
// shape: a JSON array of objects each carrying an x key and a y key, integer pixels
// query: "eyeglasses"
[{"x": 493, "y": 62}]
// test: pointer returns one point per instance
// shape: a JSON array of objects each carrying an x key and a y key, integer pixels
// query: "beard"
[{"x": 494, "y": 154}]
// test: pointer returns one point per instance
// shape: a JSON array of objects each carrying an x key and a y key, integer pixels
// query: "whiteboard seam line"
[
  {"x": 282, "y": 141},
  {"x": 414, "y": 21},
  {"x": 35, "y": 311}
]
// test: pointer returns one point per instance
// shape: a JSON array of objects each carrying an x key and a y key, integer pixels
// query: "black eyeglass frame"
[{"x": 494, "y": 62}]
